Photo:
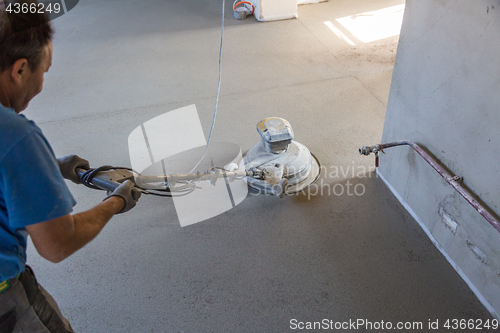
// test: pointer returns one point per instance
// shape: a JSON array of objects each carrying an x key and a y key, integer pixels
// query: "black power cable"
[{"x": 89, "y": 175}]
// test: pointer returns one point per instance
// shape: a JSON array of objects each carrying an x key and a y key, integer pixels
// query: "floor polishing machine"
[{"x": 276, "y": 166}]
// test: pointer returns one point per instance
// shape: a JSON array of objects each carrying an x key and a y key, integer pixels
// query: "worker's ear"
[{"x": 19, "y": 69}]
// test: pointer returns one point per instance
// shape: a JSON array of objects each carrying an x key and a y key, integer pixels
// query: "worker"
[{"x": 34, "y": 198}]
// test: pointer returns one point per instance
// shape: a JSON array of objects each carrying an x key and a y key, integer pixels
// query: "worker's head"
[{"x": 25, "y": 54}]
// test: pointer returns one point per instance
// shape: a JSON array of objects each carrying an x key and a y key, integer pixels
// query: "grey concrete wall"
[{"x": 445, "y": 95}]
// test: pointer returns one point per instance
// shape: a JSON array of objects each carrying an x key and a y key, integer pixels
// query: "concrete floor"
[{"x": 254, "y": 268}]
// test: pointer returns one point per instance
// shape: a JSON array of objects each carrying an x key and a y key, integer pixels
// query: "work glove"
[
  {"x": 68, "y": 165},
  {"x": 128, "y": 193}
]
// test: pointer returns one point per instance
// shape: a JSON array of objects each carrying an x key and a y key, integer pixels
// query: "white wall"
[
  {"x": 273, "y": 10},
  {"x": 445, "y": 95}
]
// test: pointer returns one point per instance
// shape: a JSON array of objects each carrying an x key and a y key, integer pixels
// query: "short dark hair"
[{"x": 23, "y": 36}]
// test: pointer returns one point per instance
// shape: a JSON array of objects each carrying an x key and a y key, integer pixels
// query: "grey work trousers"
[{"x": 28, "y": 308}]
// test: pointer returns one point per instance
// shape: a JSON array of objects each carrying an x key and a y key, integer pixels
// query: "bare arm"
[{"x": 57, "y": 239}]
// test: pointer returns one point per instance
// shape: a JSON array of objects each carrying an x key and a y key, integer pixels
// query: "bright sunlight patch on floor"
[
  {"x": 339, "y": 33},
  {"x": 372, "y": 26}
]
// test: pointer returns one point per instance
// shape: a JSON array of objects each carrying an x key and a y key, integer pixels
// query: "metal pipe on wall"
[{"x": 453, "y": 180}]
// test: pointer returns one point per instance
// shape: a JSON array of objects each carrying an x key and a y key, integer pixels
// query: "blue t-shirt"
[{"x": 32, "y": 189}]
